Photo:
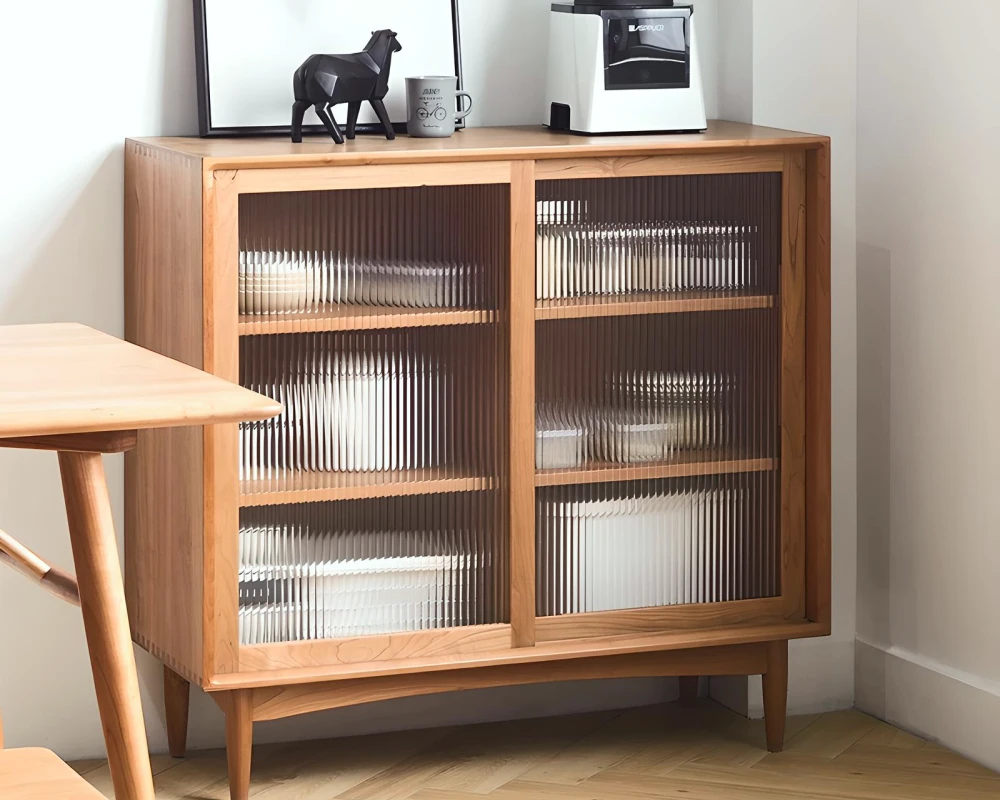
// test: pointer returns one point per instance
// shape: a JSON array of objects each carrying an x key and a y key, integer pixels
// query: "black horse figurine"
[{"x": 326, "y": 81}]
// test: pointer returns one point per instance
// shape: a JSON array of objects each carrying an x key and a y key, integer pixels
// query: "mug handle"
[{"x": 463, "y": 114}]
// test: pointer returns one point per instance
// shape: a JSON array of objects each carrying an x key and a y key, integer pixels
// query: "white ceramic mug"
[{"x": 432, "y": 106}]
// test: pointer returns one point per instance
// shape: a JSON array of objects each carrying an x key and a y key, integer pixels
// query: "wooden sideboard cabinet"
[{"x": 554, "y": 408}]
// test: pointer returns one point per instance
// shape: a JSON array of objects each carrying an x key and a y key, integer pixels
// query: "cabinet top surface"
[
  {"x": 68, "y": 378},
  {"x": 475, "y": 144}
]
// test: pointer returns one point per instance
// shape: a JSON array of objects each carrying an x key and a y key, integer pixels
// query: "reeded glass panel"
[
  {"x": 611, "y": 240},
  {"x": 653, "y": 389},
  {"x": 413, "y": 405},
  {"x": 657, "y": 391},
  {"x": 376, "y": 501},
  {"x": 367, "y": 567},
  {"x": 605, "y": 547},
  {"x": 409, "y": 248}
]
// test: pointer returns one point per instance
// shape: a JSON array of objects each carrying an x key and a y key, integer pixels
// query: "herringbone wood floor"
[{"x": 705, "y": 753}]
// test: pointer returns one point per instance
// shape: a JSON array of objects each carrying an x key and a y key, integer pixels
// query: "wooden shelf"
[
  {"x": 610, "y": 473},
  {"x": 316, "y": 487},
  {"x": 359, "y": 318},
  {"x": 639, "y": 304}
]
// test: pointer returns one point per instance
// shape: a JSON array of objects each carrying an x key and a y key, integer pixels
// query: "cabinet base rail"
[{"x": 244, "y": 707}]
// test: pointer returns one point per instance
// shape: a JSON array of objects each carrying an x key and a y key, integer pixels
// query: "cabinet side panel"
[
  {"x": 163, "y": 475},
  {"x": 818, "y": 387},
  {"x": 793, "y": 385}
]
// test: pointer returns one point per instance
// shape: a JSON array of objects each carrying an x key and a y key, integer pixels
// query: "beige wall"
[{"x": 929, "y": 374}]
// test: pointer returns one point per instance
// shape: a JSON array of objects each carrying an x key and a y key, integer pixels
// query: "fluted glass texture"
[
  {"x": 615, "y": 546},
  {"x": 369, "y": 567},
  {"x": 376, "y": 502},
  {"x": 658, "y": 375},
  {"x": 653, "y": 389},
  {"x": 303, "y": 252},
  {"x": 375, "y": 407},
  {"x": 607, "y": 240}
]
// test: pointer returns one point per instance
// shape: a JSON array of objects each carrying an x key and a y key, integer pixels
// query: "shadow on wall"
[{"x": 874, "y": 361}]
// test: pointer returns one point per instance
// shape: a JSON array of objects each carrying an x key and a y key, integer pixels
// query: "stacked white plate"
[
  {"x": 273, "y": 282},
  {"x": 577, "y": 258},
  {"x": 655, "y": 415}
]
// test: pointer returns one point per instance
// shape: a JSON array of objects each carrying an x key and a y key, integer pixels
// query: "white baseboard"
[
  {"x": 820, "y": 679},
  {"x": 959, "y": 710}
]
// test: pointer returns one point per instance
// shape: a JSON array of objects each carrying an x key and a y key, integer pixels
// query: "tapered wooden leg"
[
  {"x": 176, "y": 702},
  {"x": 689, "y": 690},
  {"x": 105, "y": 620},
  {"x": 776, "y": 695},
  {"x": 239, "y": 742}
]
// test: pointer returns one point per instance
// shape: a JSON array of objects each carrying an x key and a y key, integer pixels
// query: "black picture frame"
[{"x": 208, "y": 131}]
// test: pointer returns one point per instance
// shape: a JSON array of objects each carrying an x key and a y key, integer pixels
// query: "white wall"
[
  {"x": 929, "y": 439},
  {"x": 805, "y": 78},
  {"x": 802, "y": 67},
  {"x": 77, "y": 78}
]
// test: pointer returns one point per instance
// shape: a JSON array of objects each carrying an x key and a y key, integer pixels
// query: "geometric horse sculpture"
[{"x": 326, "y": 81}]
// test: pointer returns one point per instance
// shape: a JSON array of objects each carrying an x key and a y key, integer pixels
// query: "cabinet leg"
[
  {"x": 239, "y": 742},
  {"x": 776, "y": 695},
  {"x": 689, "y": 691},
  {"x": 176, "y": 702},
  {"x": 105, "y": 621}
]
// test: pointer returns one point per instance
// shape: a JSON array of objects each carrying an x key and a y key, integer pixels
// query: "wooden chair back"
[
  {"x": 20, "y": 558},
  {"x": 33, "y": 773}
]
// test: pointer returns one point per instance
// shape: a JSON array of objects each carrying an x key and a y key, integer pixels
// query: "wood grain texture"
[
  {"x": 372, "y": 176},
  {"x": 112, "y": 442},
  {"x": 163, "y": 313},
  {"x": 475, "y": 144},
  {"x": 793, "y": 385},
  {"x": 360, "y": 318},
  {"x": 655, "y": 753},
  {"x": 640, "y": 621},
  {"x": 775, "y": 683},
  {"x": 22, "y": 560},
  {"x": 613, "y": 473},
  {"x": 368, "y": 649},
  {"x": 522, "y": 404},
  {"x": 543, "y": 652},
  {"x": 36, "y": 774},
  {"x": 220, "y": 352},
  {"x": 315, "y": 487},
  {"x": 239, "y": 743},
  {"x": 818, "y": 386},
  {"x": 285, "y": 701},
  {"x": 645, "y": 304},
  {"x": 210, "y": 175},
  {"x": 66, "y": 378},
  {"x": 176, "y": 706},
  {"x": 105, "y": 620},
  {"x": 640, "y": 166}
]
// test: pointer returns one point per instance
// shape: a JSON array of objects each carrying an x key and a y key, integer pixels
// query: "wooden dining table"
[{"x": 72, "y": 390}]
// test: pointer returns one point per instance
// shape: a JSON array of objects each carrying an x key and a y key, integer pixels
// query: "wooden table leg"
[{"x": 105, "y": 620}]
